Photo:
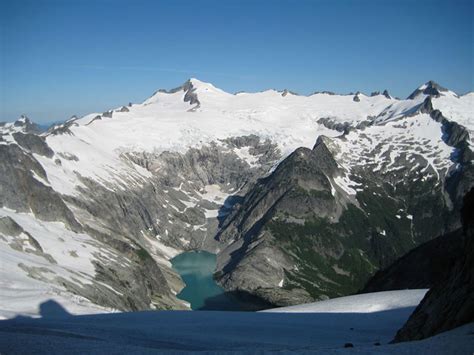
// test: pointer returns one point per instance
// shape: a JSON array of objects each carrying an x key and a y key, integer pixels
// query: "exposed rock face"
[
  {"x": 460, "y": 181},
  {"x": 9, "y": 227},
  {"x": 344, "y": 127},
  {"x": 169, "y": 208},
  {"x": 182, "y": 179},
  {"x": 294, "y": 230},
  {"x": 23, "y": 125},
  {"x": 286, "y": 92},
  {"x": 420, "y": 268},
  {"x": 276, "y": 197},
  {"x": 336, "y": 125},
  {"x": 384, "y": 93},
  {"x": 450, "y": 303},
  {"x": 26, "y": 125},
  {"x": 138, "y": 228},
  {"x": 190, "y": 95},
  {"x": 430, "y": 88},
  {"x": 33, "y": 143},
  {"x": 324, "y": 92},
  {"x": 24, "y": 187},
  {"x": 296, "y": 234},
  {"x": 64, "y": 128},
  {"x": 139, "y": 286},
  {"x": 127, "y": 277},
  {"x": 96, "y": 118}
]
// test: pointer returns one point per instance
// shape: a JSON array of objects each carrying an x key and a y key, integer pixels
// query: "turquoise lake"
[{"x": 201, "y": 291}]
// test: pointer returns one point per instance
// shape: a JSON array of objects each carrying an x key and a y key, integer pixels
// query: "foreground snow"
[
  {"x": 365, "y": 303},
  {"x": 374, "y": 319}
]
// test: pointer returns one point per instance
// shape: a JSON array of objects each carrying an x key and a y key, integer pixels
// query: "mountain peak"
[
  {"x": 22, "y": 120},
  {"x": 23, "y": 124},
  {"x": 432, "y": 85},
  {"x": 430, "y": 88},
  {"x": 200, "y": 85},
  {"x": 26, "y": 125},
  {"x": 197, "y": 82}
]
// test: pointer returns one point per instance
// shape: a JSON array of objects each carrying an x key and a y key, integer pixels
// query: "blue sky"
[{"x": 60, "y": 58}]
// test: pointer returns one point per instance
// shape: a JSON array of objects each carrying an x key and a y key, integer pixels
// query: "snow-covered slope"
[
  {"x": 460, "y": 110},
  {"x": 364, "y": 303},
  {"x": 326, "y": 332},
  {"x": 63, "y": 254},
  {"x": 165, "y": 122}
]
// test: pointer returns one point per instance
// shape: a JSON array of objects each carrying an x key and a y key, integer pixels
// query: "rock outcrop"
[
  {"x": 422, "y": 267},
  {"x": 24, "y": 185},
  {"x": 450, "y": 302},
  {"x": 386, "y": 94},
  {"x": 33, "y": 143},
  {"x": 26, "y": 125}
]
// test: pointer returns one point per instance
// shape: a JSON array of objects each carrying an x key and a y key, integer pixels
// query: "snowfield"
[
  {"x": 165, "y": 122},
  {"x": 368, "y": 322},
  {"x": 365, "y": 303},
  {"x": 71, "y": 256}
]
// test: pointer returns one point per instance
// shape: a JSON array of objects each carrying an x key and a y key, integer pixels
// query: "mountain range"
[{"x": 302, "y": 198}]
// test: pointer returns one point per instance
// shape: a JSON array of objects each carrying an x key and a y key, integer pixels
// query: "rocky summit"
[{"x": 302, "y": 198}]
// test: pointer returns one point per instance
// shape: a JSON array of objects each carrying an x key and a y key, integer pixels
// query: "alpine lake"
[{"x": 196, "y": 268}]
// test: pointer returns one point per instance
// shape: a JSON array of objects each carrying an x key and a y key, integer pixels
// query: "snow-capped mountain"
[
  {"x": 23, "y": 125},
  {"x": 97, "y": 206}
]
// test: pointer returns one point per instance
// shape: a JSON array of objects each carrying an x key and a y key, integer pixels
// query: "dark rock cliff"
[
  {"x": 420, "y": 268},
  {"x": 450, "y": 303}
]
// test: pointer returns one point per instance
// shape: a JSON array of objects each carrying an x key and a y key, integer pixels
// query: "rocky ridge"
[{"x": 310, "y": 237}]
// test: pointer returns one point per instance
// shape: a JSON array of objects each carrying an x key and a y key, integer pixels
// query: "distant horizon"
[
  {"x": 49, "y": 123},
  {"x": 65, "y": 58}
]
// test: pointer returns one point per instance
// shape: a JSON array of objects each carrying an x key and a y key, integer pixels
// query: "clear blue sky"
[{"x": 60, "y": 58}]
